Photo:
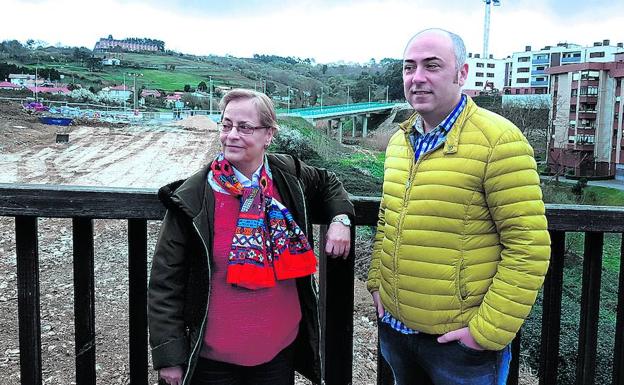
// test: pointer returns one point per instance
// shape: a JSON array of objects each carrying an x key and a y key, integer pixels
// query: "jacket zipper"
[
  {"x": 203, "y": 324},
  {"x": 314, "y": 290}
]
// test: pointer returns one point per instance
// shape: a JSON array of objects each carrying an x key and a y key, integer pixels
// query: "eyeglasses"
[{"x": 243, "y": 128}]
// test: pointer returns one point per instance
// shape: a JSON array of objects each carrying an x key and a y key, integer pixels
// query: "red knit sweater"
[{"x": 245, "y": 327}]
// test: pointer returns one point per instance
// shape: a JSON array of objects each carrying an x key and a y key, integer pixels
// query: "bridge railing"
[
  {"x": 337, "y": 109},
  {"x": 26, "y": 203}
]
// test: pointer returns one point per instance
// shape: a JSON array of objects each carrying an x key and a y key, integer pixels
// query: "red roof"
[
  {"x": 10, "y": 85},
  {"x": 51, "y": 90},
  {"x": 154, "y": 93},
  {"x": 119, "y": 88}
]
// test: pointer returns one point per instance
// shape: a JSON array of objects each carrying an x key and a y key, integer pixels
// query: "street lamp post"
[
  {"x": 210, "y": 93},
  {"x": 321, "y": 98},
  {"x": 124, "y": 84},
  {"x": 134, "y": 94},
  {"x": 288, "y": 99},
  {"x": 36, "y": 75},
  {"x": 387, "y": 89},
  {"x": 348, "y": 95},
  {"x": 369, "y": 94}
]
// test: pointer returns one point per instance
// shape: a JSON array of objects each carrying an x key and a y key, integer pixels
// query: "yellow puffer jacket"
[{"x": 462, "y": 238}]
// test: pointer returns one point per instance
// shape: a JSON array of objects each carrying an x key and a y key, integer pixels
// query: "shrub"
[
  {"x": 292, "y": 142},
  {"x": 577, "y": 189}
]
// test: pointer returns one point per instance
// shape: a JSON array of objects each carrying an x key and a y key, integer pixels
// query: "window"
[
  {"x": 479, "y": 65},
  {"x": 490, "y": 75},
  {"x": 571, "y": 54},
  {"x": 589, "y": 91},
  {"x": 522, "y": 80},
  {"x": 524, "y": 59},
  {"x": 479, "y": 74},
  {"x": 478, "y": 84},
  {"x": 574, "y": 92},
  {"x": 491, "y": 65},
  {"x": 590, "y": 75},
  {"x": 523, "y": 69},
  {"x": 597, "y": 54}
]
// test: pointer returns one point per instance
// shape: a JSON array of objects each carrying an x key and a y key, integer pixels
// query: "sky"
[{"x": 327, "y": 31}]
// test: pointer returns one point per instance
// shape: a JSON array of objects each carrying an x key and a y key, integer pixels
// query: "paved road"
[{"x": 611, "y": 183}]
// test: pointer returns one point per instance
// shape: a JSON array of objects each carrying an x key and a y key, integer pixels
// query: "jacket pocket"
[{"x": 461, "y": 281}]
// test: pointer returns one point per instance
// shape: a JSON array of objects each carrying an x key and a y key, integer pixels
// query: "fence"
[{"x": 27, "y": 203}]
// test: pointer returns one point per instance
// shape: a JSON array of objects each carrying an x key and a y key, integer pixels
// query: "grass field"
[{"x": 164, "y": 72}]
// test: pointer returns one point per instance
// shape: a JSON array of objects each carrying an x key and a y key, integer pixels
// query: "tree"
[
  {"x": 81, "y": 54},
  {"x": 270, "y": 88},
  {"x": 94, "y": 64},
  {"x": 202, "y": 86},
  {"x": 187, "y": 88},
  {"x": 12, "y": 47},
  {"x": 393, "y": 78},
  {"x": 359, "y": 92}
]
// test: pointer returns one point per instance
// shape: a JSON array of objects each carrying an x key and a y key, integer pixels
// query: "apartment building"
[
  {"x": 527, "y": 72},
  {"x": 485, "y": 74},
  {"x": 586, "y": 138}
]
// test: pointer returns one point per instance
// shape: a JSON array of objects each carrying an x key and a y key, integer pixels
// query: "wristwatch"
[{"x": 342, "y": 218}]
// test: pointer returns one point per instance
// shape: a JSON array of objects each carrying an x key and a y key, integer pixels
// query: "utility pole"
[
  {"x": 321, "y": 98},
  {"x": 288, "y": 98},
  {"x": 387, "y": 89},
  {"x": 348, "y": 95},
  {"x": 369, "y": 94}
]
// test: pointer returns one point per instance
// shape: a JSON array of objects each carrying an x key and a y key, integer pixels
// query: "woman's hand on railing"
[
  {"x": 338, "y": 242},
  {"x": 171, "y": 375},
  {"x": 378, "y": 305}
]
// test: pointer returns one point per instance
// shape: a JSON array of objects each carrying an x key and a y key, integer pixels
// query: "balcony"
[
  {"x": 591, "y": 99},
  {"x": 26, "y": 203},
  {"x": 571, "y": 59},
  {"x": 539, "y": 83},
  {"x": 540, "y": 61},
  {"x": 538, "y": 72},
  {"x": 587, "y": 114}
]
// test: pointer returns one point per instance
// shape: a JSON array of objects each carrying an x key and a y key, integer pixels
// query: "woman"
[{"x": 232, "y": 298}]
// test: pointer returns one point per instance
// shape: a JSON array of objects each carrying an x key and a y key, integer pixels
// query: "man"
[{"x": 462, "y": 245}]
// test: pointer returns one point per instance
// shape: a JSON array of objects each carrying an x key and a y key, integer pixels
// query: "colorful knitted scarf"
[{"x": 267, "y": 243}]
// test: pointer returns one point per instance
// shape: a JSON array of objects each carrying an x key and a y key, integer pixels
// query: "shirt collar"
[
  {"x": 447, "y": 123},
  {"x": 246, "y": 182}
]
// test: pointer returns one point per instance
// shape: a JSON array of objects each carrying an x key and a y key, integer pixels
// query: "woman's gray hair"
[
  {"x": 459, "y": 48},
  {"x": 263, "y": 104}
]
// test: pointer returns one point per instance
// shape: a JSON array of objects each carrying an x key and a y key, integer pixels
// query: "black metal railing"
[{"x": 84, "y": 204}]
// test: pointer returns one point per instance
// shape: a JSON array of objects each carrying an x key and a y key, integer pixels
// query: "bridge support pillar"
[
  {"x": 354, "y": 121},
  {"x": 340, "y": 123},
  {"x": 329, "y": 127},
  {"x": 365, "y": 125}
]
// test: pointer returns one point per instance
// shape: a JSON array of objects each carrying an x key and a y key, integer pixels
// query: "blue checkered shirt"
[{"x": 424, "y": 144}]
